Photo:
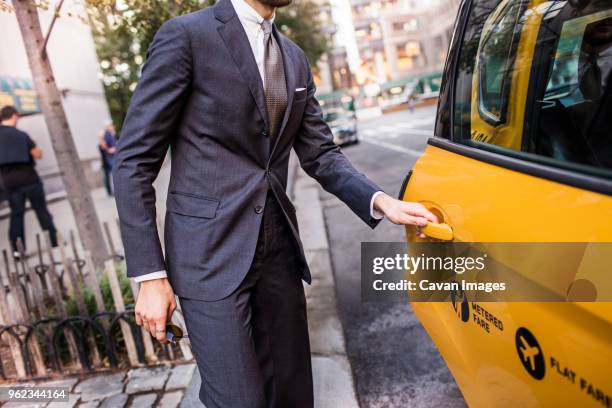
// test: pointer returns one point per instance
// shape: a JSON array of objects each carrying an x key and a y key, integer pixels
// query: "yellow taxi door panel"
[
  {"x": 524, "y": 154},
  {"x": 487, "y": 346}
]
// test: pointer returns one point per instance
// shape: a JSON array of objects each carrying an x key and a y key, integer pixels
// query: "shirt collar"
[{"x": 247, "y": 14}]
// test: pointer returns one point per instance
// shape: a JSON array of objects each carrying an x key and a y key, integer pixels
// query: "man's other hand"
[
  {"x": 402, "y": 212},
  {"x": 155, "y": 306},
  {"x": 36, "y": 153}
]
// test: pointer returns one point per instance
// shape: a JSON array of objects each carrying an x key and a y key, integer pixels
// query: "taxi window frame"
[{"x": 531, "y": 164}]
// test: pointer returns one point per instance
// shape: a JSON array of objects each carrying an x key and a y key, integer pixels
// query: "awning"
[
  {"x": 432, "y": 79},
  {"x": 331, "y": 95},
  {"x": 20, "y": 94},
  {"x": 398, "y": 82}
]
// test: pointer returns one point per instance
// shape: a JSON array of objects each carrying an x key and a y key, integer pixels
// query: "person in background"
[
  {"x": 107, "y": 144},
  {"x": 410, "y": 102},
  {"x": 19, "y": 179}
]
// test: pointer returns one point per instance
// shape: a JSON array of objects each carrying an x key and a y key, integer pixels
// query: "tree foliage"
[
  {"x": 124, "y": 30},
  {"x": 300, "y": 22}
]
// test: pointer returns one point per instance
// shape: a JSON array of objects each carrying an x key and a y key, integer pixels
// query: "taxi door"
[{"x": 523, "y": 154}]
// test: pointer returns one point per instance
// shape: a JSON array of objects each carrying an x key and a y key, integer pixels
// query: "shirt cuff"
[
  {"x": 151, "y": 276},
  {"x": 376, "y": 214}
]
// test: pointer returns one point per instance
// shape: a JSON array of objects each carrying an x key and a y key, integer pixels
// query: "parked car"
[
  {"x": 523, "y": 153},
  {"x": 343, "y": 124}
]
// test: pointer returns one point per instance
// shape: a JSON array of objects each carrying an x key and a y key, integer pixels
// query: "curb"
[{"x": 332, "y": 373}]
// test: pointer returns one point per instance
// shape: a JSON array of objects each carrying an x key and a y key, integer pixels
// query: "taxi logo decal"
[
  {"x": 460, "y": 304},
  {"x": 530, "y": 353}
]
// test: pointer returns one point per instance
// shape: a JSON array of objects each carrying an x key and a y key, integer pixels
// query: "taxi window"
[
  {"x": 496, "y": 59},
  {"x": 533, "y": 80}
]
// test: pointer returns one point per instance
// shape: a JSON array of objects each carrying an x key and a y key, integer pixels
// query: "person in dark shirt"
[{"x": 19, "y": 179}]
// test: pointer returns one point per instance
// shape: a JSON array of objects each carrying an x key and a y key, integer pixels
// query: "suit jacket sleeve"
[
  {"x": 149, "y": 126},
  {"x": 323, "y": 160}
]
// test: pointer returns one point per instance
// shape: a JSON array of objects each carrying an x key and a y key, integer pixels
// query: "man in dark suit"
[{"x": 230, "y": 95}]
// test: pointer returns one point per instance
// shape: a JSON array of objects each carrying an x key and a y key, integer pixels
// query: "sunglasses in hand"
[{"x": 174, "y": 333}]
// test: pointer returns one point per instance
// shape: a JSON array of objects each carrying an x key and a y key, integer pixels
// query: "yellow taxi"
[{"x": 523, "y": 153}]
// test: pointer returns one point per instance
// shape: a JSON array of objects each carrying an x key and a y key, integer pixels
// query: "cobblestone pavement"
[{"x": 161, "y": 386}]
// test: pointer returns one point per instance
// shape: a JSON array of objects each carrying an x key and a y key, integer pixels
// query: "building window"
[
  {"x": 406, "y": 26},
  {"x": 409, "y": 56}
]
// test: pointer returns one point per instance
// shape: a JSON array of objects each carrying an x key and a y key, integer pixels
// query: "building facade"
[
  {"x": 383, "y": 41},
  {"x": 333, "y": 70}
]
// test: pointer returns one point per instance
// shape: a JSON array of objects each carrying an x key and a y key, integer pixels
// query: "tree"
[
  {"x": 73, "y": 176},
  {"x": 300, "y": 22},
  {"x": 124, "y": 31}
]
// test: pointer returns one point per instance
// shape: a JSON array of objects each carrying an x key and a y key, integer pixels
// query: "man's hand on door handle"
[{"x": 403, "y": 212}]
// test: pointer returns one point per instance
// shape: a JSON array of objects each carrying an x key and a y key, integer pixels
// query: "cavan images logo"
[{"x": 530, "y": 353}]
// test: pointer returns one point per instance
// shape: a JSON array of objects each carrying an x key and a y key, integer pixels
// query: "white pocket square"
[{"x": 299, "y": 89}]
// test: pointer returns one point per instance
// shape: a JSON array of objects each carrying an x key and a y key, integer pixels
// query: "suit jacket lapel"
[
  {"x": 290, "y": 83},
  {"x": 238, "y": 45}
]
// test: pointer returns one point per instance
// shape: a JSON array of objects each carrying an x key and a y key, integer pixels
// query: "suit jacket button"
[
  {"x": 264, "y": 133},
  {"x": 258, "y": 209}
]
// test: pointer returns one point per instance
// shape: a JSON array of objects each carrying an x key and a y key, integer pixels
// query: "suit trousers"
[
  {"x": 252, "y": 347},
  {"x": 17, "y": 197}
]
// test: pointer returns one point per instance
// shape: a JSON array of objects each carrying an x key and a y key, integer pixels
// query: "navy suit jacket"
[{"x": 201, "y": 95}]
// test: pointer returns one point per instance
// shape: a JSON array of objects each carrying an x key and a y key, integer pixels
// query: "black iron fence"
[{"x": 59, "y": 315}]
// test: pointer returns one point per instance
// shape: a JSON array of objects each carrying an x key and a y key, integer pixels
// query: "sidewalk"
[
  {"x": 333, "y": 380},
  {"x": 161, "y": 386}
]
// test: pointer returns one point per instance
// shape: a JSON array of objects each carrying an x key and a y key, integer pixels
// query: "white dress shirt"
[
  {"x": 604, "y": 63},
  {"x": 251, "y": 22}
]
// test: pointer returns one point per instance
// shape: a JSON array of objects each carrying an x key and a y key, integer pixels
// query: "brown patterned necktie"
[{"x": 275, "y": 87}]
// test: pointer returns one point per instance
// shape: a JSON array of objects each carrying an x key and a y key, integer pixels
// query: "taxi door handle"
[{"x": 441, "y": 231}]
